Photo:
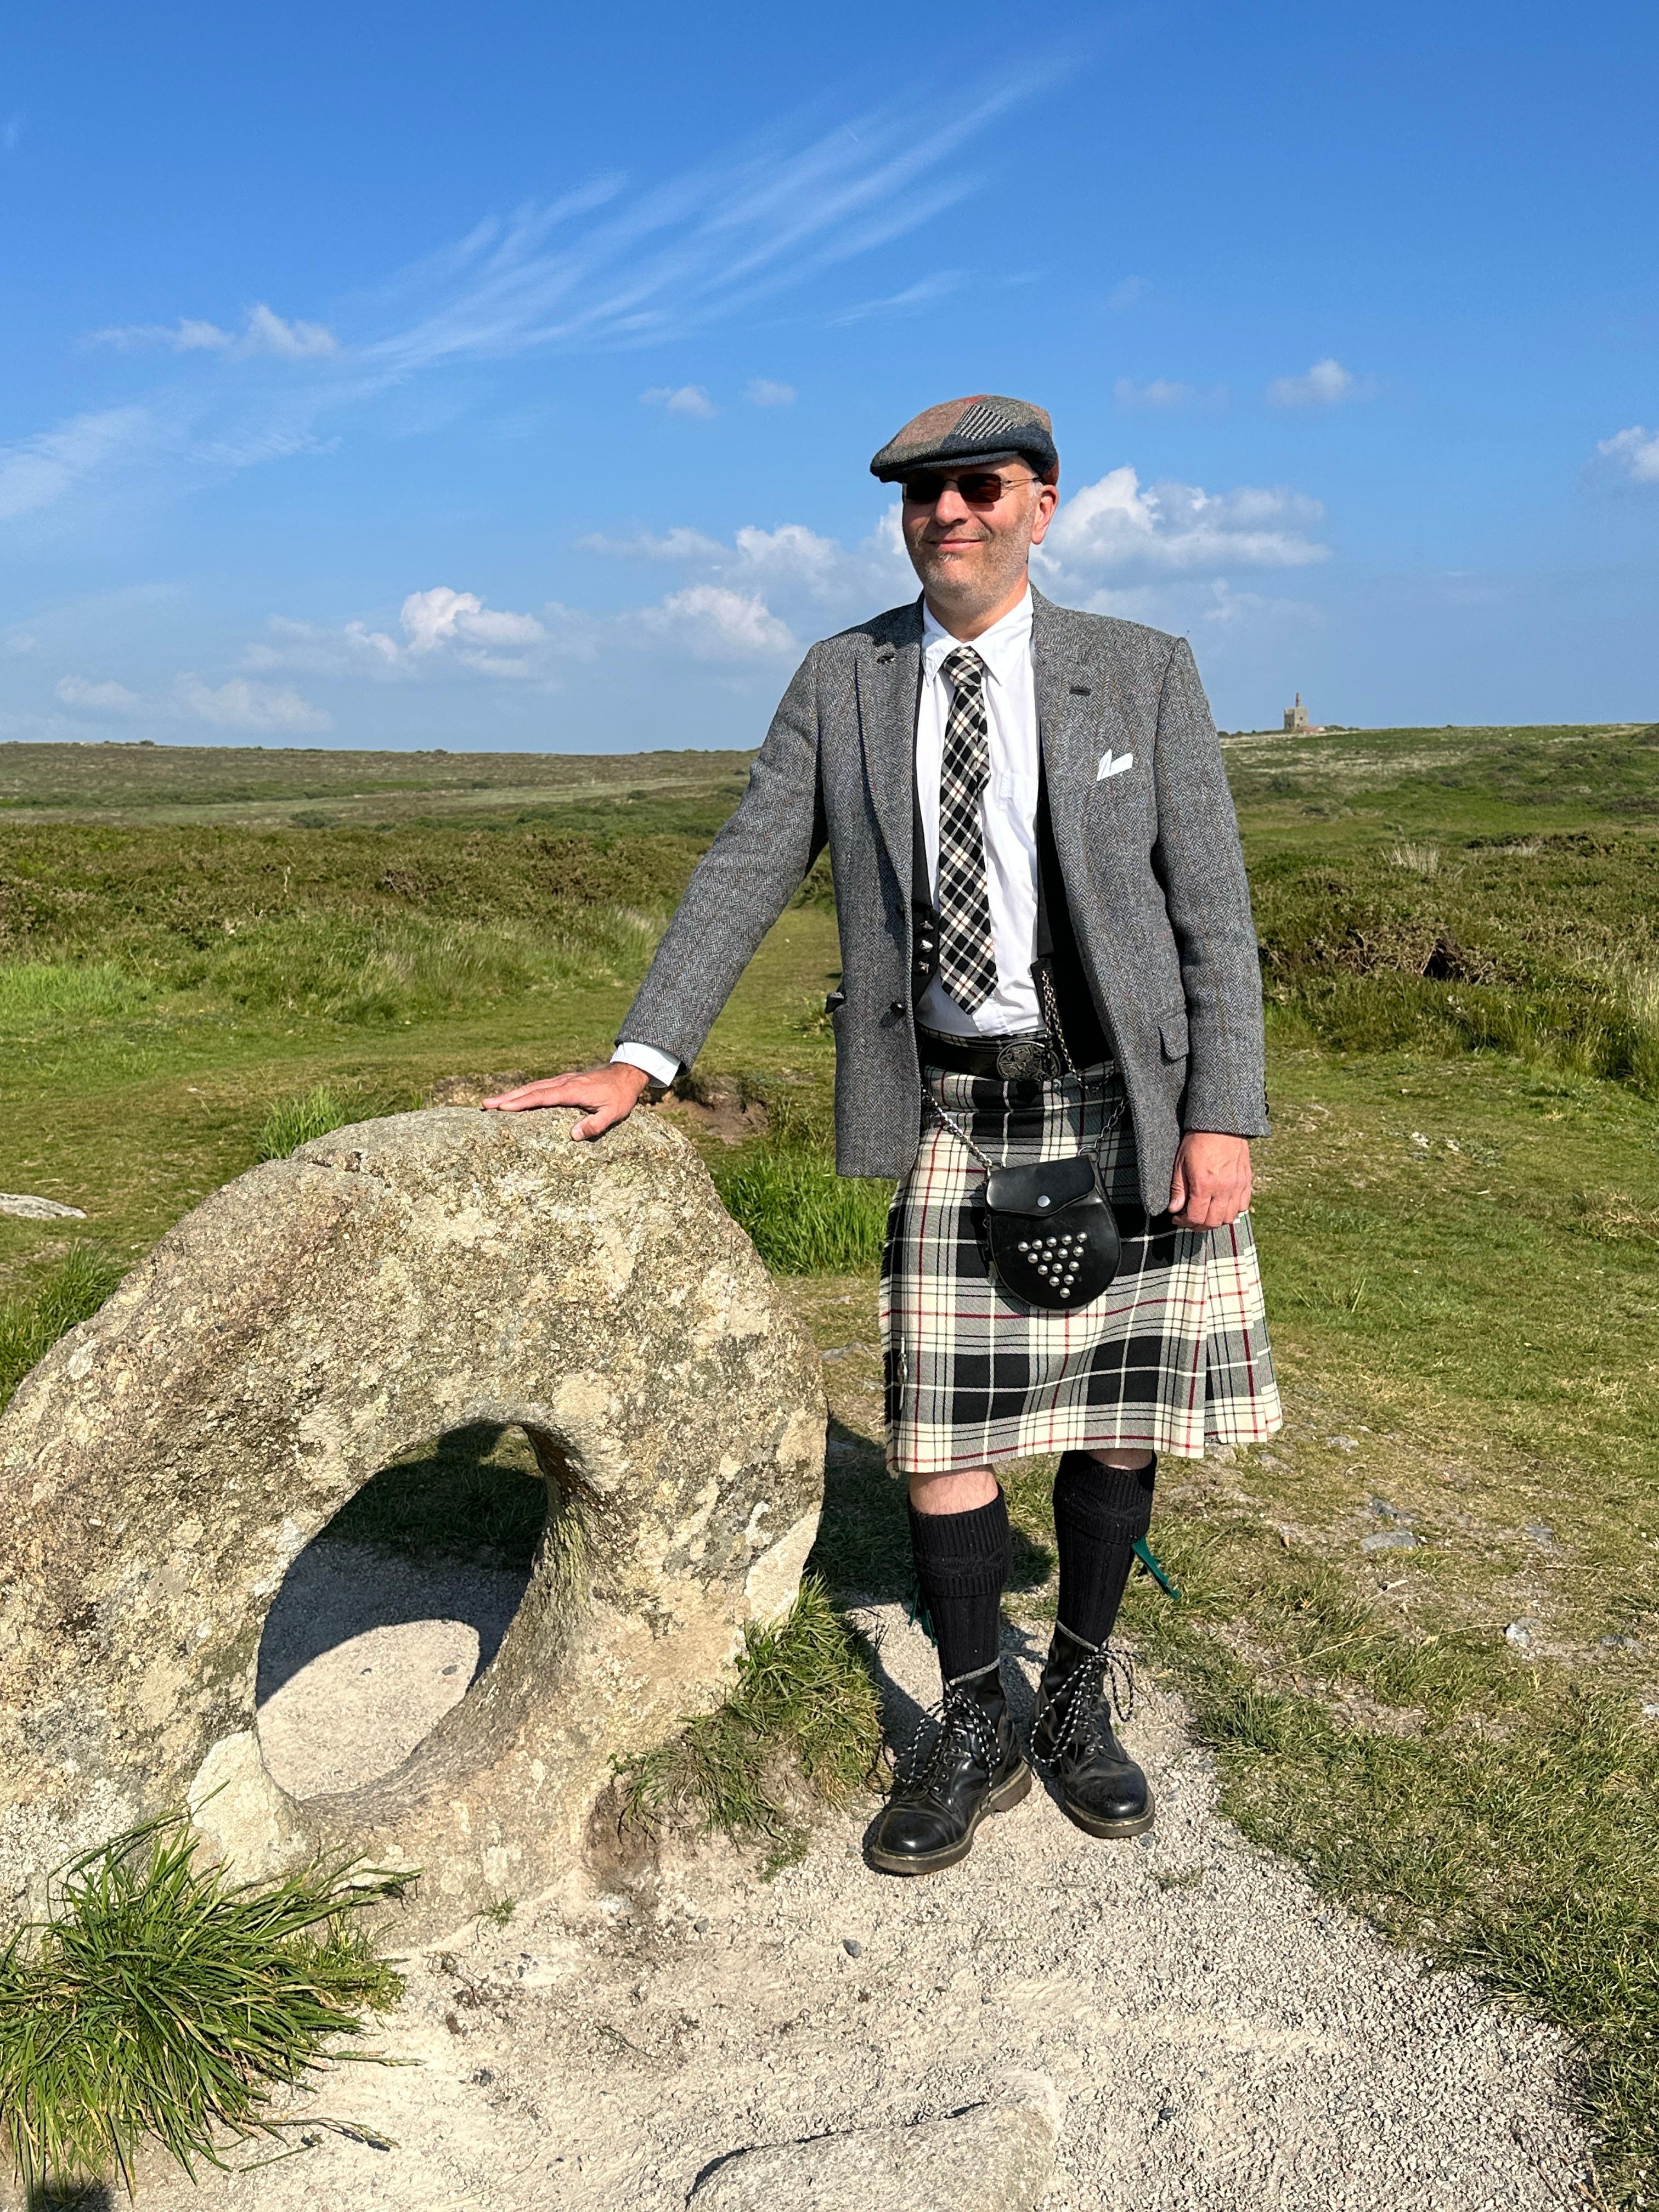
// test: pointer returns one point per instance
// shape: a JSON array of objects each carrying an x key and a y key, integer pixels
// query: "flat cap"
[{"x": 977, "y": 429}]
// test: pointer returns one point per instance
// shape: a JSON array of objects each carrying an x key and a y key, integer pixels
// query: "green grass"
[
  {"x": 804, "y": 1711},
  {"x": 295, "y": 1121},
  {"x": 31, "y": 1322},
  {"x": 160, "y": 2003},
  {"x": 803, "y": 1219}
]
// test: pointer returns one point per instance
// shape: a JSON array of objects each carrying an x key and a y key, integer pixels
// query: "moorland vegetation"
[{"x": 1421, "y": 1629}]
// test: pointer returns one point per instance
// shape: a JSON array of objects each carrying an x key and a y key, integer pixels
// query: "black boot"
[
  {"x": 973, "y": 1765},
  {"x": 1100, "y": 1786}
]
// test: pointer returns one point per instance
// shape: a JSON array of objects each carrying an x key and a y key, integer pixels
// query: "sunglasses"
[{"x": 976, "y": 488}]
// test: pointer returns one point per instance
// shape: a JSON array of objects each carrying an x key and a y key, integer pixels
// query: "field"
[{"x": 1422, "y": 1627}]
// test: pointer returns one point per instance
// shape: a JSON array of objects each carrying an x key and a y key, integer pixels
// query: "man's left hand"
[{"x": 1212, "y": 1184}]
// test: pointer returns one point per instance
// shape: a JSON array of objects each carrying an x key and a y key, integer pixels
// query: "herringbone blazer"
[{"x": 1154, "y": 879}]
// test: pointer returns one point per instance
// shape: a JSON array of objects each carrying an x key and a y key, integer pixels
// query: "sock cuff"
[
  {"x": 1108, "y": 1501},
  {"x": 963, "y": 1551}
]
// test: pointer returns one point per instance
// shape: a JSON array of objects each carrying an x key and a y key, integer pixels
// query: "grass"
[
  {"x": 804, "y": 1711},
  {"x": 296, "y": 1121},
  {"x": 160, "y": 2003},
  {"x": 1458, "y": 1216},
  {"x": 32, "y": 1322},
  {"x": 803, "y": 1219}
]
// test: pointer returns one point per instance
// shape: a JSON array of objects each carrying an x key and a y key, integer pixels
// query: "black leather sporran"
[{"x": 1050, "y": 1236}]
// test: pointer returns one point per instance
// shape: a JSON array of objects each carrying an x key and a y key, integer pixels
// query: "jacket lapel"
[
  {"x": 1071, "y": 705},
  {"x": 890, "y": 682}
]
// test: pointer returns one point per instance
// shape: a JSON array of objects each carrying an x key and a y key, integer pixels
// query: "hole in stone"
[{"x": 392, "y": 1611}]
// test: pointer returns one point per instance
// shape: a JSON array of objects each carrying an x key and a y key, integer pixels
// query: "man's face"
[{"x": 969, "y": 553}]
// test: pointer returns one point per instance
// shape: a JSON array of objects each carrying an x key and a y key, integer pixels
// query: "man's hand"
[
  {"x": 610, "y": 1094},
  {"x": 1211, "y": 1183}
]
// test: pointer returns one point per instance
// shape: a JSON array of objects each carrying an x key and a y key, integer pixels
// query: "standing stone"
[{"x": 301, "y": 1328}]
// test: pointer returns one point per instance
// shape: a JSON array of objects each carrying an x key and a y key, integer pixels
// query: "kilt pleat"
[{"x": 1172, "y": 1357}]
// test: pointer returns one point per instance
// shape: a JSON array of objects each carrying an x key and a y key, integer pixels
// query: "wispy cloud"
[
  {"x": 263, "y": 332},
  {"x": 238, "y": 704},
  {"x": 39, "y": 472},
  {"x": 11, "y": 134},
  {"x": 1128, "y": 293},
  {"x": 1633, "y": 452},
  {"x": 680, "y": 399},
  {"x": 763, "y": 392},
  {"x": 919, "y": 294},
  {"x": 610, "y": 264},
  {"x": 1325, "y": 383}
]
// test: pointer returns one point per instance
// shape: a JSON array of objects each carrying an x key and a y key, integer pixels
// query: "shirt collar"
[{"x": 1002, "y": 648}]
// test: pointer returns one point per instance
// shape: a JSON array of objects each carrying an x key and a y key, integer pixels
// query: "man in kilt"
[{"x": 1047, "y": 957}]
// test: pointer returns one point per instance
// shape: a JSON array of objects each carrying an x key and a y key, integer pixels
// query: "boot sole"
[
  {"x": 1002, "y": 1799},
  {"x": 1108, "y": 1829}
]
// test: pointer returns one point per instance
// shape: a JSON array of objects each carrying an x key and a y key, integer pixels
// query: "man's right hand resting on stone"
[{"x": 610, "y": 1095}]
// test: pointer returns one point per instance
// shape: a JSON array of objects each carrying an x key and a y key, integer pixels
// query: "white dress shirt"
[{"x": 1009, "y": 818}]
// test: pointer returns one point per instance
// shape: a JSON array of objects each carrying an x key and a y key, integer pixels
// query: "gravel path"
[{"x": 1217, "y": 2037}]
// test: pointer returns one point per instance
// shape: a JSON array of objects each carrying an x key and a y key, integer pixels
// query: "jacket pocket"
[{"x": 1172, "y": 1033}]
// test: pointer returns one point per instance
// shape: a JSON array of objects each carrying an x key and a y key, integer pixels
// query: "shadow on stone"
[{"x": 387, "y": 1617}]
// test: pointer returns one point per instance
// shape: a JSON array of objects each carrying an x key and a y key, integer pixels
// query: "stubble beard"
[{"x": 968, "y": 586}]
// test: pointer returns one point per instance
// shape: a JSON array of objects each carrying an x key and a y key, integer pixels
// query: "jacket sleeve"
[
  {"x": 742, "y": 884},
  {"x": 1202, "y": 867}
]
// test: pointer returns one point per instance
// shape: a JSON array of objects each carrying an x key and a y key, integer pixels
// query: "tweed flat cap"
[{"x": 977, "y": 429}]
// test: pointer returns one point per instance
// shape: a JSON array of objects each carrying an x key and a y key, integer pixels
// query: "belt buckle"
[{"x": 1022, "y": 1058}]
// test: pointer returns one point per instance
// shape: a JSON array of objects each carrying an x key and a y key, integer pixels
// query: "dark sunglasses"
[{"x": 976, "y": 488}]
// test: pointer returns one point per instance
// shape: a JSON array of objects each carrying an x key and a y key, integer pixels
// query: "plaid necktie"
[{"x": 967, "y": 954}]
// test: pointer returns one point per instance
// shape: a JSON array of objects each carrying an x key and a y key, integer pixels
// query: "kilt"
[{"x": 1172, "y": 1356}]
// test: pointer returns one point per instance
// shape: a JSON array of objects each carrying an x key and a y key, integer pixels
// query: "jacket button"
[{"x": 898, "y": 1007}]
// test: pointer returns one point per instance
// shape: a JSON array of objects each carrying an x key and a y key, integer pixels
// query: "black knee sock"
[
  {"x": 1099, "y": 1513},
  {"x": 962, "y": 1564}
]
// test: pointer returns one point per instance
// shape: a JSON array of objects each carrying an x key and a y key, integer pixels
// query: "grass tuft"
[
  {"x": 296, "y": 1121},
  {"x": 803, "y": 1219},
  {"x": 804, "y": 1708},
  {"x": 160, "y": 2003},
  {"x": 31, "y": 1323}
]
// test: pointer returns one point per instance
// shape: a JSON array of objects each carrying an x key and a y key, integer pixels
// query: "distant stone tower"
[{"x": 1296, "y": 718}]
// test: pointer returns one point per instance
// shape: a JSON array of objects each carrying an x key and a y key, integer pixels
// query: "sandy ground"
[{"x": 1217, "y": 2036}]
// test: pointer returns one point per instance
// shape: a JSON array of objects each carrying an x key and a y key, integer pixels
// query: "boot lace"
[
  {"x": 1101, "y": 1683},
  {"x": 934, "y": 1747}
]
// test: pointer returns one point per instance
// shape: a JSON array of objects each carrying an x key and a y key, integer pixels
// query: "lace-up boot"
[
  {"x": 1100, "y": 1786},
  {"x": 967, "y": 1765}
]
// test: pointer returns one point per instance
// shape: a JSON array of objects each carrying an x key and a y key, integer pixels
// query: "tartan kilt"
[{"x": 1172, "y": 1356}]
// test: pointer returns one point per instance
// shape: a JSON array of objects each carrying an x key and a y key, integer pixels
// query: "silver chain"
[{"x": 985, "y": 1160}]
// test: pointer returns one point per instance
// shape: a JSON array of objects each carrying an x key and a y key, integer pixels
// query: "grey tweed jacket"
[{"x": 1154, "y": 879}]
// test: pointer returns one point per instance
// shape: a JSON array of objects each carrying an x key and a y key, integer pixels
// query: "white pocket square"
[{"x": 1112, "y": 764}]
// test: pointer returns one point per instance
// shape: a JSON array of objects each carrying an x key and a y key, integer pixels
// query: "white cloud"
[
  {"x": 295, "y": 341},
  {"x": 763, "y": 392},
  {"x": 718, "y": 624},
  {"x": 1164, "y": 392},
  {"x": 1127, "y": 291},
  {"x": 97, "y": 698},
  {"x": 239, "y": 705},
  {"x": 680, "y": 399},
  {"x": 442, "y": 617},
  {"x": 1325, "y": 383},
  {"x": 263, "y": 332},
  {"x": 11, "y": 134},
  {"x": 1634, "y": 450},
  {"x": 1115, "y": 525}
]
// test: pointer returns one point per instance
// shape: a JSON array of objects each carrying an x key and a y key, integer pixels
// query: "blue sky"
[{"x": 507, "y": 377}]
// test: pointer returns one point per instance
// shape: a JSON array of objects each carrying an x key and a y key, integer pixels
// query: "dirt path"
[{"x": 1217, "y": 2036}]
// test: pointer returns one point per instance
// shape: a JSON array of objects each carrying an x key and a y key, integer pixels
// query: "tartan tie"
[{"x": 967, "y": 953}]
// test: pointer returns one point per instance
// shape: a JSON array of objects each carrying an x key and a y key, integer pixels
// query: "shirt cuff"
[{"x": 662, "y": 1066}]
